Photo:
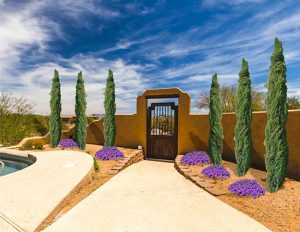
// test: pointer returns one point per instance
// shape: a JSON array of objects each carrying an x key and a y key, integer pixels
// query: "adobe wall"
[{"x": 193, "y": 130}]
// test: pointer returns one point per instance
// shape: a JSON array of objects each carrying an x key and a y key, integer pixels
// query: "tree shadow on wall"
[
  {"x": 97, "y": 133},
  {"x": 228, "y": 152},
  {"x": 228, "y": 155},
  {"x": 197, "y": 142},
  {"x": 258, "y": 163}
]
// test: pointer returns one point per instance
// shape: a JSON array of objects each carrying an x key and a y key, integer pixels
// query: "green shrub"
[
  {"x": 215, "y": 142},
  {"x": 96, "y": 165},
  {"x": 32, "y": 146},
  {"x": 276, "y": 157},
  {"x": 110, "y": 110},
  {"x": 242, "y": 135},
  {"x": 17, "y": 120},
  {"x": 39, "y": 146},
  {"x": 80, "y": 108},
  {"x": 55, "y": 105}
]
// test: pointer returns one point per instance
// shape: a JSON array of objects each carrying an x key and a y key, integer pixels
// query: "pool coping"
[{"x": 28, "y": 198}]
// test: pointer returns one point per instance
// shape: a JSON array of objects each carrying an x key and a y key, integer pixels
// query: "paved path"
[
  {"x": 153, "y": 196},
  {"x": 29, "y": 195}
]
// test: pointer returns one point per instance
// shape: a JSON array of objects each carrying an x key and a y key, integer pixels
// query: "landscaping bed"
[
  {"x": 279, "y": 211},
  {"x": 107, "y": 169}
]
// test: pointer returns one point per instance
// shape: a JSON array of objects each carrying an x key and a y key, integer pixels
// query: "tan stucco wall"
[{"x": 193, "y": 130}]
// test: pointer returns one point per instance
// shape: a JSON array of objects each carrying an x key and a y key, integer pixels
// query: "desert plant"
[
  {"x": 246, "y": 187},
  {"x": 15, "y": 119},
  {"x": 109, "y": 153},
  {"x": 276, "y": 157},
  {"x": 55, "y": 105},
  {"x": 39, "y": 146},
  {"x": 216, "y": 172},
  {"x": 67, "y": 143},
  {"x": 96, "y": 165},
  {"x": 215, "y": 122},
  {"x": 242, "y": 135},
  {"x": 293, "y": 103},
  {"x": 228, "y": 96},
  {"x": 195, "y": 158},
  {"x": 32, "y": 146},
  {"x": 80, "y": 108},
  {"x": 110, "y": 110}
]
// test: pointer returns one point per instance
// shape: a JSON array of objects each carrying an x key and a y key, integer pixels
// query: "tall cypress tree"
[
  {"x": 242, "y": 135},
  {"x": 276, "y": 157},
  {"x": 110, "y": 110},
  {"x": 80, "y": 107},
  {"x": 55, "y": 105},
  {"x": 215, "y": 121}
]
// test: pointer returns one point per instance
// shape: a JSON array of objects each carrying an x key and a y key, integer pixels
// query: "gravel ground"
[{"x": 278, "y": 211}]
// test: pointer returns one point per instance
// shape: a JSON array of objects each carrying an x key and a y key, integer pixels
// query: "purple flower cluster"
[
  {"x": 196, "y": 157},
  {"x": 67, "y": 143},
  {"x": 247, "y": 187},
  {"x": 216, "y": 171},
  {"x": 109, "y": 153}
]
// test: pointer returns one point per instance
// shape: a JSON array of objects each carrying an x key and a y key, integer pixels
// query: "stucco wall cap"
[{"x": 163, "y": 91}]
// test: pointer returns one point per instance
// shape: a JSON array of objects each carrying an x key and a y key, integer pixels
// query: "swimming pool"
[{"x": 10, "y": 163}]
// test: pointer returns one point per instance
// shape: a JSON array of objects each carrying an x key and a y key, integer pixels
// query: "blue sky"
[{"x": 148, "y": 44}]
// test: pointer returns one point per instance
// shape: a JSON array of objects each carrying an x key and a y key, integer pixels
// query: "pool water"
[{"x": 11, "y": 166}]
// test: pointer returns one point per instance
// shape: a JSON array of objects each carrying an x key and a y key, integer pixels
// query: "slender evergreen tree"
[
  {"x": 276, "y": 157},
  {"x": 110, "y": 110},
  {"x": 80, "y": 108},
  {"x": 242, "y": 135},
  {"x": 55, "y": 105},
  {"x": 215, "y": 121}
]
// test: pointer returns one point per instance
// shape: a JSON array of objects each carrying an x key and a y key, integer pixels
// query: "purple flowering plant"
[
  {"x": 195, "y": 158},
  {"x": 67, "y": 143},
  {"x": 247, "y": 187},
  {"x": 216, "y": 171},
  {"x": 109, "y": 153}
]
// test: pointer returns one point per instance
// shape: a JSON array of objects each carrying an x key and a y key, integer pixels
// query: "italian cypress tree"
[
  {"x": 242, "y": 135},
  {"x": 55, "y": 105},
  {"x": 276, "y": 157},
  {"x": 215, "y": 121},
  {"x": 80, "y": 107},
  {"x": 110, "y": 109}
]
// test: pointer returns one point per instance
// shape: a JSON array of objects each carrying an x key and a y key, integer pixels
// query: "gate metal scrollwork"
[{"x": 162, "y": 130}]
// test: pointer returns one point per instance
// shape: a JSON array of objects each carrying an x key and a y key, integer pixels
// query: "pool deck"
[{"x": 29, "y": 195}]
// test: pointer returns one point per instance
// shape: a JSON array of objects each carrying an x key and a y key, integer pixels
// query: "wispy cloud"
[
  {"x": 214, "y": 3},
  {"x": 37, "y": 82},
  {"x": 147, "y": 46},
  {"x": 25, "y": 30}
]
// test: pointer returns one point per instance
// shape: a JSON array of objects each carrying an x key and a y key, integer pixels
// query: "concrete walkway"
[
  {"x": 153, "y": 196},
  {"x": 29, "y": 195}
]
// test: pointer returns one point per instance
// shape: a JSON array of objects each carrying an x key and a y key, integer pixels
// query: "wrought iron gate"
[{"x": 162, "y": 131}]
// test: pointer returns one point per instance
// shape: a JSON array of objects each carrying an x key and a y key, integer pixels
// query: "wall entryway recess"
[{"x": 162, "y": 128}]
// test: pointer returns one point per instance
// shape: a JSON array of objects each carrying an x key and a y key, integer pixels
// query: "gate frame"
[{"x": 148, "y": 124}]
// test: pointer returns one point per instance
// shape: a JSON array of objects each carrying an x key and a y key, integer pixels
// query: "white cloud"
[
  {"x": 213, "y": 3},
  {"x": 37, "y": 83},
  {"x": 19, "y": 33},
  {"x": 27, "y": 31},
  {"x": 293, "y": 89}
]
